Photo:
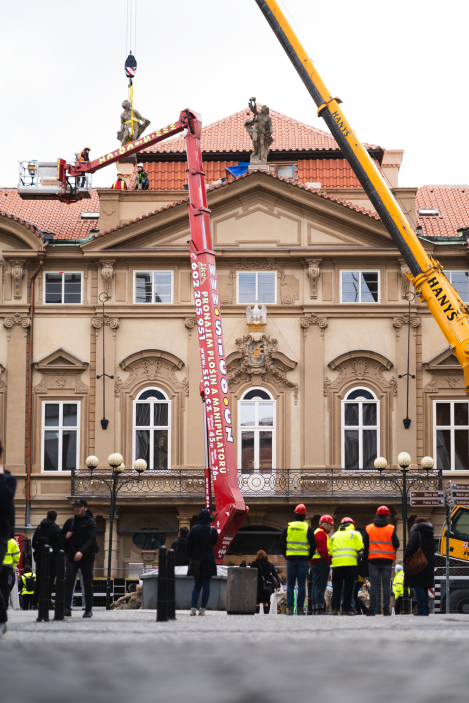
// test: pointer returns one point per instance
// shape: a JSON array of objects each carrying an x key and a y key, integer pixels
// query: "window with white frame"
[
  {"x": 359, "y": 286},
  {"x": 256, "y": 432},
  {"x": 152, "y": 429},
  {"x": 60, "y": 435},
  {"x": 460, "y": 281},
  {"x": 63, "y": 288},
  {"x": 360, "y": 429},
  {"x": 153, "y": 286},
  {"x": 451, "y": 434},
  {"x": 260, "y": 286}
]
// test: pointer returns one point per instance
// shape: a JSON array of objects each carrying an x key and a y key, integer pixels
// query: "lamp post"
[
  {"x": 116, "y": 462},
  {"x": 403, "y": 484}
]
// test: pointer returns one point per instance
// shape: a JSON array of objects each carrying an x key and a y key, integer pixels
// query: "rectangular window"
[
  {"x": 451, "y": 435},
  {"x": 285, "y": 170},
  {"x": 359, "y": 286},
  {"x": 460, "y": 281},
  {"x": 260, "y": 286},
  {"x": 64, "y": 288},
  {"x": 60, "y": 436},
  {"x": 153, "y": 286}
]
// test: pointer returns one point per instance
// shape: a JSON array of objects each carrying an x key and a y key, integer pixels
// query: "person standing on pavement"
[
  {"x": 381, "y": 543},
  {"x": 398, "y": 588},
  {"x": 297, "y": 544},
  {"x": 267, "y": 576},
  {"x": 47, "y": 532},
  {"x": 79, "y": 535},
  {"x": 320, "y": 564},
  {"x": 344, "y": 547},
  {"x": 181, "y": 558},
  {"x": 421, "y": 535},
  {"x": 199, "y": 544},
  {"x": 7, "y": 577},
  {"x": 28, "y": 587},
  {"x": 7, "y": 526}
]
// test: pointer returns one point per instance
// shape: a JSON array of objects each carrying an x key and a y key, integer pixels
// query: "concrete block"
[{"x": 241, "y": 591}]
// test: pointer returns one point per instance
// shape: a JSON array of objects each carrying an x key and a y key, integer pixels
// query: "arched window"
[
  {"x": 360, "y": 429},
  {"x": 152, "y": 429},
  {"x": 256, "y": 432}
]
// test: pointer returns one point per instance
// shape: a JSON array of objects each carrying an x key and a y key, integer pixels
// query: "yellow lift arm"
[{"x": 426, "y": 274}]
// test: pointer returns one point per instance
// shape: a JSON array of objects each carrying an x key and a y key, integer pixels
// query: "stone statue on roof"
[
  {"x": 131, "y": 129},
  {"x": 261, "y": 132}
]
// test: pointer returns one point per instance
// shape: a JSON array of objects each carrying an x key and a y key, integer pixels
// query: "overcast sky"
[{"x": 400, "y": 67}]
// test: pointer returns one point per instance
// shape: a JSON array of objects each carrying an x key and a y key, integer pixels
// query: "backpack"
[
  {"x": 362, "y": 565},
  {"x": 29, "y": 582}
]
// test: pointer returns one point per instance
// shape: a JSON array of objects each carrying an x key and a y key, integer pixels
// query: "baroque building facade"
[{"x": 316, "y": 396}]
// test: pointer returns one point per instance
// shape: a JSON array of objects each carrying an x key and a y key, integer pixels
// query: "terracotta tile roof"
[
  {"x": 453, "y": 204},
  {"x": 229, "y": 135},
  {"x": 330, "y": 173},
  {"x": 50, "y": 216},
  {"x": 319, "y": 193}
]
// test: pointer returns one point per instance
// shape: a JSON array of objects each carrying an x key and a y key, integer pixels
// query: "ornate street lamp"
[
  {"x": 116, "y": 462},
  {"x": 401, "y": 482}
]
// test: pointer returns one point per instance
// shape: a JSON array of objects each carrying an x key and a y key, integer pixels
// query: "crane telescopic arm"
[{"x": 426, "y": 274}]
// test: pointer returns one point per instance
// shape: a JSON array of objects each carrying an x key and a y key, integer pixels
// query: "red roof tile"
[
  {"x": 229, "y": 135},
  {"x": 453, "y": 204},
  {"x": 319, "y": 193},
  {"x": 51, "y": 216}
]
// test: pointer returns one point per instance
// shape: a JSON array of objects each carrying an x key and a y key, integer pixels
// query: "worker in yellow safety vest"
[
  {"x": 398, "y": 588},
  {"x": 7, "y": 575},
  {"x": 297, "y": 544},
  {"x": 344, "y": 547},
  {"x": 381, "y": 543},
  {"x": 120, "y": 184},
  {"x": 28, "y": 586}
]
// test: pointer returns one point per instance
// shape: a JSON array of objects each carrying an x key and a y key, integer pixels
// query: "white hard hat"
[
  {"x": 398, "y": 567},
  {"x": 139, "y": 165}
]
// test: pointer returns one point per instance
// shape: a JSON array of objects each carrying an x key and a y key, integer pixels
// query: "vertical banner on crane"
[{"x": 220, "y": 430}]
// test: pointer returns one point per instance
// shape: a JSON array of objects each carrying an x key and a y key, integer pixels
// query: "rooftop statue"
[
  {"x": 139, "y": 125},
  {"x": 261, "y": 132}
]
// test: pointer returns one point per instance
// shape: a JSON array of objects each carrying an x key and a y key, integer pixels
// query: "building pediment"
[
  {"x": 61, "y": 360},
  {"x": 445, "y": 361}
]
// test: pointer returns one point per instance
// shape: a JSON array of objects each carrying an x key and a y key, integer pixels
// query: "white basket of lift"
[{"x": 37, "y": 180}]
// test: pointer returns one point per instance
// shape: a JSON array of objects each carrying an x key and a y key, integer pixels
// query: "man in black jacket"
[
  {"x": 79, "y": 534},
  {"x": 181, "y": 558},
  {"x": 47, "y": 532},
  {"x": 7, "y": 525}
]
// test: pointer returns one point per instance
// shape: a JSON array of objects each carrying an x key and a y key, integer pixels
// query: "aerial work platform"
[{"x": 40, "y": 180}]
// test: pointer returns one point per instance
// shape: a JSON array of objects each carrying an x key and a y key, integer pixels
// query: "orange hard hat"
[
  {"x": 87, "y": 147},
  {"x": 326, "y": 518},
  {"x": 300, "y": 509},
  {"x": 346, "y": 520},
  {"x": 383, "y": 510}
]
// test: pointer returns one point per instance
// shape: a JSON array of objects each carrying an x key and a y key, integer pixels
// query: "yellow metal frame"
[
  {"x": 457, "y": 550},
  {"x": 443, "y": 301}
]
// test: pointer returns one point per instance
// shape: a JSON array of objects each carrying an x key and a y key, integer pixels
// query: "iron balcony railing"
[{"x": 278, "y": 483}]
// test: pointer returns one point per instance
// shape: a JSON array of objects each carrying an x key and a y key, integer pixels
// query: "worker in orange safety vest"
[
  {"x": 120, "y": 184},
  {"x": 83, "y": 157},
  {"x": 381, "y": 543}
]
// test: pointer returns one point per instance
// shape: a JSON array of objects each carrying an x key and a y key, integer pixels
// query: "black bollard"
[
  {"x": 171, "y": 586},
  {"x": 310, "y": 592},
  {"x": 60, "y": 586},
  {"x": 162, "y": 601},
  {"x": 44, "y": 591}
]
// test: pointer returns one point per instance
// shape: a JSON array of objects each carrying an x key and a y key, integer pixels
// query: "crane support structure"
[{"x": 426, "y": 274}]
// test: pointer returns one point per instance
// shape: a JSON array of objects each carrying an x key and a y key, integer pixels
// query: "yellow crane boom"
[{"x": 426, "y": 274}]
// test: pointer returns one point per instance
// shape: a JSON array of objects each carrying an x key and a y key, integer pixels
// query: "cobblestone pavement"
[{"x": 127, "y": 656}]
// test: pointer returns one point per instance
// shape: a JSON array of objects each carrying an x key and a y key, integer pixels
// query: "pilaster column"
[
  {"x": 17, "y": 334},
  {"x": 105, "y": 439},
  {"x": 195, "y": 449},
  {"x": 115, "y": 547},
  {"x": 406, "y": 440},
  {"x": 312, "y": 400},
  {"x": 185, "y": 516}
]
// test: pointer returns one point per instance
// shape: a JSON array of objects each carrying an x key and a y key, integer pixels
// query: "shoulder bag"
[
  {"x": 267, "y": 585},
  {"x": 418, "y": 561},
  {"x": 194, "y": 564}
]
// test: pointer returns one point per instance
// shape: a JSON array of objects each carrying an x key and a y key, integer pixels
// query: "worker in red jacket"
[
  {"x": 120, "y": 184},
  {"x": 320, "y": 565}
]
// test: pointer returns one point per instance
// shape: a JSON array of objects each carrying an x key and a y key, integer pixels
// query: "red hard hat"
[
  {"x": 326, "y": 518},
  {"x": 383, "y": 510},
  {"x": 347, "y": 519},
  {"x": 300, "y": 509}
]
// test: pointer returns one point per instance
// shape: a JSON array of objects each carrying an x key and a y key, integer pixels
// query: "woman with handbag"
[
  {"x": 199, "y": 546},
  {"x": 420, "y": 575},
  {"x": 267, "y": 580}
]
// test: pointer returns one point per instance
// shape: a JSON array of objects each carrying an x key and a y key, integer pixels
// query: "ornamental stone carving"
[
  {"x": 285, "y": 293},
  {"x": 17, "y": 319},
  {"x": 97, "y": 323},
  {"x": 61, "y": 371},
  {"x": 107, "y": 273},
  {"x": 17, "y": 275},
  {"x": 404, "y": 320},
  {"x": 190, "y": 323},
  {"x": 258, "y": 360},
  {"x": 405, "y": 281},
  {"x": 313, "y": 319},
  {"x": 152, "y": 366},
  {"x": 362, "y": 367},
  {"x": 313, "y": 274}
]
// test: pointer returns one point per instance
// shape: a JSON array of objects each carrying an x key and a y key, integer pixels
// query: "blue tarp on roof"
[{"x": 238, "y": 170}]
